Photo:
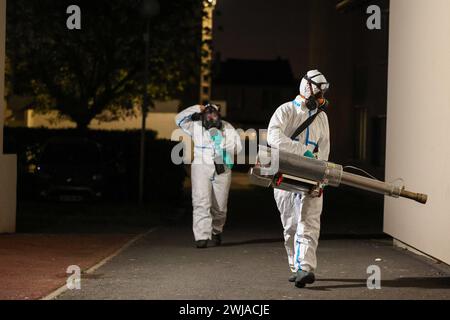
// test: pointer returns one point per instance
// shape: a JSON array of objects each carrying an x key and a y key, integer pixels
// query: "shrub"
[{"x": 163, "y": 180}]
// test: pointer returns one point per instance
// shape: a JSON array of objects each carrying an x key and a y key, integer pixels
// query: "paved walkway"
[
  {"x": 252, "y": 265},
  {"x": 33, "y": 265}
]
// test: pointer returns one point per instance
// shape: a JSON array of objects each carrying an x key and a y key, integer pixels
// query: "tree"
[{"x": 82, "y": 73}]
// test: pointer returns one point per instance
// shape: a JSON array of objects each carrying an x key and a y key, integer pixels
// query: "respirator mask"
[
  {"x": 211, "y": 117},
  {"x": 315, "y": 101}
]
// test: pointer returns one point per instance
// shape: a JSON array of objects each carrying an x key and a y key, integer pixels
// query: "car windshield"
[{"x": 71, "y": 153}]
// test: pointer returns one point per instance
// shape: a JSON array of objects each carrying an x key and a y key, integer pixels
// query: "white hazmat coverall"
[
  {"x": 300, "y": 213},
  {"x": 209, "y": 190}
]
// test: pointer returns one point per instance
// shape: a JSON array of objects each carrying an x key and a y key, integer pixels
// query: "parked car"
[{"x": 70, "y": 170}]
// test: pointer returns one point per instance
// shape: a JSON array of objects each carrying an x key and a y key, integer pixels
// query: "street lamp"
[{"x": 149, "y": 9}]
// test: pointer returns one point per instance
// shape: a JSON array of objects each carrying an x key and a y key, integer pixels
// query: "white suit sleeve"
[
  {"x": 184, "y": 121},
  {"x": 276, "y": 137},
  {"x": 232, "y": 140},
  {"x": 324, "y": 141}
]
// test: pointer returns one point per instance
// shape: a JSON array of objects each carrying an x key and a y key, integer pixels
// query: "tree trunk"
[
  {"x": 83, "y": 125},
  {"x": 82, "y": 122}
]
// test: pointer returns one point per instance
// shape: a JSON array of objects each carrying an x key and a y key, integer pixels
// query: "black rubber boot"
[
  {"x": 293, "y": 277},
  {"x": 217, "y": 239},
  {"x": 201, "y": 244},
  {"x": 304, "y": 278}
]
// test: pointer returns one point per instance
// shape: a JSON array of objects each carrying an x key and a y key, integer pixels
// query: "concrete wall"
[
  {"x": 163, "y": 123},
  {"x": 8, "y": 163},
  {"x": 161, "y": 119},
  {"x": 418, "y": 123},
  {"x": 2, "y": 69}
]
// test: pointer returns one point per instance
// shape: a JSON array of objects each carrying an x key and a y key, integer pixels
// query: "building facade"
[
  {"x": 355, "y": 61},
  {"x": 253, "y": 89}
]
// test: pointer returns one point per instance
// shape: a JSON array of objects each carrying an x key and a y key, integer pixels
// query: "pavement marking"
[{"x": 61, "y": 290}]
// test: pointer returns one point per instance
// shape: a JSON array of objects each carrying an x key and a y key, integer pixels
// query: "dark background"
[{"x": 261, "y": 49}]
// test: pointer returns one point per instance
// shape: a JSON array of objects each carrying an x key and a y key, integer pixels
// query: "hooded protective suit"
[
  {"x": 300, "y": 213},
  {"x": 209, "y": 189}
]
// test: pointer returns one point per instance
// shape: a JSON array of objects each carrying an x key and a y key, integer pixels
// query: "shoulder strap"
[{"x": 307, "y": 123}]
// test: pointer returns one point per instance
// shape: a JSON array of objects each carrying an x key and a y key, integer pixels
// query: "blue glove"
[{"x": 309, "y": 154}]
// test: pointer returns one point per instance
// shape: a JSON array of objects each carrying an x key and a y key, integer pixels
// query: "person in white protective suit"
[
  {"x": 215, "y": 143},
  {"x": 300, "y": 213}
]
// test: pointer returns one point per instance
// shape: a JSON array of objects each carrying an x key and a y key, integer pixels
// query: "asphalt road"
[{"x": 252, "y": 263}]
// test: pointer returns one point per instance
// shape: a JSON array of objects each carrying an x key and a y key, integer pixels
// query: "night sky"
[{"x": 255, "y": 29}]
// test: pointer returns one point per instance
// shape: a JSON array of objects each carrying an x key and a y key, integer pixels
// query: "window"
[
  {"x": 360, "y": 84},
  {"x": 379, "y": 141},
  {"x": 361, "y": 133}
]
